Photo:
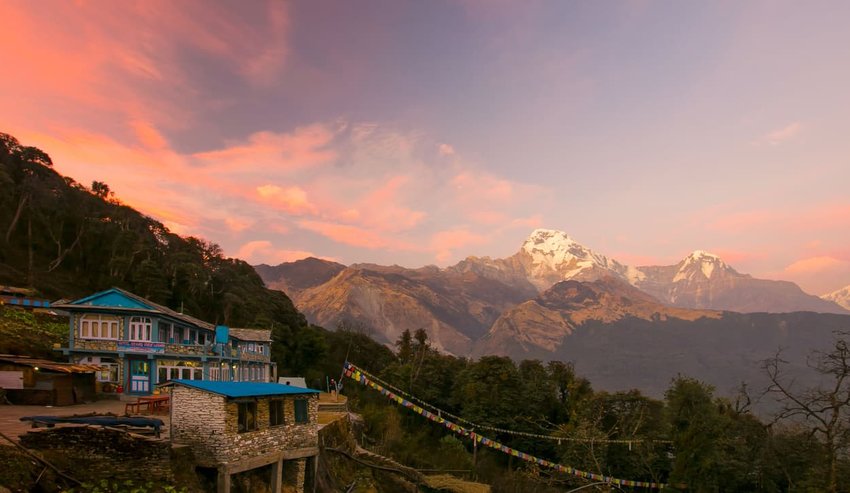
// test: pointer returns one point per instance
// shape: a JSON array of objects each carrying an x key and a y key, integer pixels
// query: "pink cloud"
[
  {"x": 148, "y": 135},
  {"x": 814, "y": 265},
  {"x": 382, "y": 208},
  {"x": 290, "y": 199},
  {"x": 531, "y": 222},
  {"x": 305, "y": 147},
  {"x": 237, "y": 225},
  {"x": 356, "y": 236},
  {"x": 263, "y": 251},
  {"x": 444, "y": 243},
  {"x": 819, "y": 275},
  {"x": 478, "y": 186},
  {"x": 780, "y": 135}
]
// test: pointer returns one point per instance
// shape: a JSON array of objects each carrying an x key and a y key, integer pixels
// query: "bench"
[{"x": 136, "y": 407}]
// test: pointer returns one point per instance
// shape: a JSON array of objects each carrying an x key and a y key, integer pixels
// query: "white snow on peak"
[
  {"x": 549, "y": 248},
  {"x": 841, "y": 296},
  {"x": 699, "y": 261},
  {"x": 703, "y": 254}
]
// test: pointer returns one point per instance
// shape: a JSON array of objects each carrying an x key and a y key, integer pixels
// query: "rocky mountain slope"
[
  {"x": 840, "y": 297},
  {"x": 455, "y": 307},
  {"x": 294, "y": 277},
  {"x": 544, "y": 322},
  {"x": 621, "y": 338}
]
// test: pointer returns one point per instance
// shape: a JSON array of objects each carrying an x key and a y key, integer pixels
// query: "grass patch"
[{"x": 31, "y": 334}]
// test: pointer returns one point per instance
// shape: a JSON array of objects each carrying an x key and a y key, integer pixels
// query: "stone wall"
[
  {"x": 189, "y": 349},
  {"x": 198, "y": 420},
  {"x": 209, "y": 424},
  {"x": 249, "y": 356},
  {"x": 103, "y": 453},
  {"x": 294, "y": 473},
  {"x": 96, "y": 344}
]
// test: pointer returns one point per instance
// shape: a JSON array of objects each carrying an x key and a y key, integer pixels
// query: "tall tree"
[
  {"x": 826, "y": 408},
  {"x": 696, "y": 424}
]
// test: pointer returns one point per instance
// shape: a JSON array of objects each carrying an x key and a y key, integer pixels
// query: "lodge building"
[{"x": 140, "y": 344}]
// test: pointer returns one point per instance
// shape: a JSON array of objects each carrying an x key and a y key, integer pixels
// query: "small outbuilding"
[
  {"x": 42, "y": 382},
  {"x": 236, "y": 427}
]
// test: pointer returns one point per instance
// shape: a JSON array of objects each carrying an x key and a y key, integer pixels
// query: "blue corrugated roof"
[{"x": 244, "y": 389}]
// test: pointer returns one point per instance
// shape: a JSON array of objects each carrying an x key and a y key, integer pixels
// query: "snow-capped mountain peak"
[
  {"x": 551, "y": 256},
  {"x": 702, "y": 262},
  {"x": 841, "y": 296},
  {"x": 552, "y": 248}
]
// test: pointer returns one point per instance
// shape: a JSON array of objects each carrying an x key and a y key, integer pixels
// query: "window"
[
  {"x": 165, "y": 332},
  {"x": 301, "y": 413},
  {"x": 174, "y": 369},
  {"x": 247, "y": 416},
  {"x": 109, "y": 373},
  {"x": 275, "y": 412},
  {"x": 140, "y": 329},
  {"x": 98, "y": 327}
]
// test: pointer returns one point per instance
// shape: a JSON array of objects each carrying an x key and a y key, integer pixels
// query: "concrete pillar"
[
  {"x": 223, "y": 482},
  {"x": 277, "y": 476}
]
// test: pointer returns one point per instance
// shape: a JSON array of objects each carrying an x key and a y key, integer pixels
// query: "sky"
[{"x": 416, "y": 133}]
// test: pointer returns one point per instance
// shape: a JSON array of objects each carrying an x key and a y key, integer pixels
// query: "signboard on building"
[{"x": 141, "y": 347}]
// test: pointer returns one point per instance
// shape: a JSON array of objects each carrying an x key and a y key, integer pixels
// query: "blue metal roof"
[
  {"x": 112, "y": 298},
  {"x": 244, "y": 389}
]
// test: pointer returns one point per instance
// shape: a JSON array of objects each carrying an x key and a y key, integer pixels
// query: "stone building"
[
  {"x": 140, "y": 344},
  {"x": 236, "y": 427}
]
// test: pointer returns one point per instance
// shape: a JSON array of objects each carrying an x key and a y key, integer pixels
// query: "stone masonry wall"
[
  {"x": 290, "y": 435},
  {"x": 209, "y": 424},
  {"x": 96, "y": 344},
  {"x": 198, "y": 420}
]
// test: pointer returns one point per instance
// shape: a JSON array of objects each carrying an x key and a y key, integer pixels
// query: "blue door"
[{"x": 140, "y": 376}]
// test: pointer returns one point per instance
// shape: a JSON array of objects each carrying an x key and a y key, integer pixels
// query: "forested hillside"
[
  {"x": 68, "y": 240},
  {"x": 694, "y": 436}
]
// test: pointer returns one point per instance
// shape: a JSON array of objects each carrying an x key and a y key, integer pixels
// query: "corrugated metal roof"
[
  {"x": 262, "y": 335},
  {"x": 244, "y": 389},
  {"x": 44, "y": 364}
]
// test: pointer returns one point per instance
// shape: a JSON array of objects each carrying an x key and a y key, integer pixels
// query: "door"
[{"x": 140, "y": 376}]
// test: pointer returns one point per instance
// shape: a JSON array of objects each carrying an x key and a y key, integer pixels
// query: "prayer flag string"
[
  {"x": 353, "y": 372},
  {"x": 441, "y": 412}
]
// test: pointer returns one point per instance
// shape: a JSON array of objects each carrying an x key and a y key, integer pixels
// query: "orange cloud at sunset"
[
  {"x": 262, "y": 251},
  {"x": 290, "y": 199},
  {"x": 355, "y": 236},
  {"x": 306, "y": 146},
  {"x": 446, "y": 242},
  {"x": 818, "y": 275}
]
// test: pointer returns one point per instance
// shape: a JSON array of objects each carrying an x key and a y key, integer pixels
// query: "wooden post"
[
  {"x": 277, "y": 476},
  {"x": 475, "y": 457},
  {"x": 223, "y": 483}
]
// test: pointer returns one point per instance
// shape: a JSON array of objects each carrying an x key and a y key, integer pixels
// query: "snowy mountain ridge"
[
  {"x": 550, "y": 249},
  {"x": 702, "y": 262},
  {"x": 841, "y": 296}
]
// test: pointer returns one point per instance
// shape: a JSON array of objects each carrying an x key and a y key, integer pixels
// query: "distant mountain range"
[{"x": 556, "y": 299}]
